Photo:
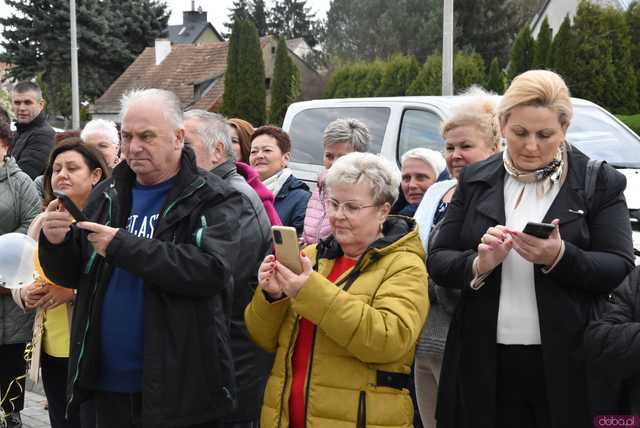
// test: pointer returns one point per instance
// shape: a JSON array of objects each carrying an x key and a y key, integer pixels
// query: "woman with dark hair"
[
  {"x": 241, "y": 133},
  {"x": 270, "y": 154},
  {"x": 73, "y": 169},
  {"x": 19, "y": 205}
]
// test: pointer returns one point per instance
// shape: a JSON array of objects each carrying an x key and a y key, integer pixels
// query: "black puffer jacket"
[
  {"x": 613, "y": 349},
  {"x": 186, "y": 267},
  {"x": 32, "y": 145}
]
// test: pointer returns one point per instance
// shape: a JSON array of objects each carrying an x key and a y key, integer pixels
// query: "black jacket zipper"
[{"x": 362, "y": 410}]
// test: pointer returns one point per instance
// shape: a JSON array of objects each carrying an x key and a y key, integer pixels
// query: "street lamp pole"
[
  {"x": 447, "y": 48},
  {"x": 75, "y": 96}
]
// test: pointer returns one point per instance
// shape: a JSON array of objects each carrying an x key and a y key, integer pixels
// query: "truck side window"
[
  {"x": 419, "y": 128},
  {"x": 307, "y": 129}
]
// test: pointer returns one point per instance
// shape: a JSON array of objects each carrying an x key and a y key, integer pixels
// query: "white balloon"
[{"x": 16, "y": 260}]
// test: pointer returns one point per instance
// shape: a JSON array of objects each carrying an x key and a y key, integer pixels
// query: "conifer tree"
[
  {"x": 36, "y": 42},
  {"x": 239, "y": 11},
  {"x": 594, "y": 72},
  {"x": 563, "y": 51},
  {"x": 285, "y": 86},
  {"x": 543, "y": 46},
  {"x": 292, "y": 19},
  {"x": 495, "y": 83},
  {"x": 429, "y": 79},
  {"x": 260, "y": 17},
  {"x": 468, "y": 70},
  {"x": 244, "y": 87},
  {"x": 622, "y": 94},
  {"x": 522, "y": 53},
  {"x": 400, "y": 72},
  {"x": 633, "y": 21}
]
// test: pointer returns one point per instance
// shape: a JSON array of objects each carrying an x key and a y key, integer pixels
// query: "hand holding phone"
[
  {"x": 539, "y": 230},
  {"x": 285, "y": 240},
  {"x": 70, "y": 206}
]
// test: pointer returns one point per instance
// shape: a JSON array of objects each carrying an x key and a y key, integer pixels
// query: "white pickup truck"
[{"x": 398, "y": 124}]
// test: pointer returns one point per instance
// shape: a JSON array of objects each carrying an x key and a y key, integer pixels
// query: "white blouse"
[{"x": 518, "y": 322}]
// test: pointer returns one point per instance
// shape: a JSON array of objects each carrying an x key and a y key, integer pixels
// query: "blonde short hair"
[
  {"x": 479, "y": 111},
  {"x": 538, "y": 88},
  {"x": 382, "y": 177}
]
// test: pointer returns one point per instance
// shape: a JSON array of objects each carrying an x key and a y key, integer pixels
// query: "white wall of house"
[
  {"x": 558, "y": 9},
  {"x": 555, "y": 13}
]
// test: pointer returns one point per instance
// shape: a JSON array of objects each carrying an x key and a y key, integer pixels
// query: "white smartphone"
[{"x": 285, "y": 240}]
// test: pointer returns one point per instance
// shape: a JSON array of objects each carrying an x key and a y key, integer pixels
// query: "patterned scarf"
[{"x": 545, "y": 177}]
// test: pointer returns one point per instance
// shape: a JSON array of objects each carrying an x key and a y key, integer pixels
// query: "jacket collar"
[
  {"x": 568, "y": 205},
  {"x": 37, "y": 121},
  {"x": 225, "y": 169},
  {"x": 490, "y": 172},
  {"x": 124, "y": 178},
  {"x": 187, "y": 173},
  {"x": 292, "y": 183},
  {"x": 395, "y": 229}
]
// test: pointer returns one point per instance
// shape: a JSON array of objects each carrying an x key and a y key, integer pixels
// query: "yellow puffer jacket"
[{"x": 367, "y": 325}]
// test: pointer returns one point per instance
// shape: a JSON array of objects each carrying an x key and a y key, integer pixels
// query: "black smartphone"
[
  {"x": 539, "y": 230},
  {"x": 68, "y": 204}
]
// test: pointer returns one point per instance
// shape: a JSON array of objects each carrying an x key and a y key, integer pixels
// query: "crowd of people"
[{"x": 166, "y": 306}]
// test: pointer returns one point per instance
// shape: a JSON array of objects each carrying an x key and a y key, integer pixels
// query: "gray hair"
[
  {"x": 430, "y": 157},
  {"x": 382, "y": 176},
  {"x": 350, "y": 131},
  {"x": 213, "y": 128},
  {"x": 101, "y": 126},
  {"x": 172, "y": 107}
]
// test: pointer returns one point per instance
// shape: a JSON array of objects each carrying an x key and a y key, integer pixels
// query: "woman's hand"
[
  {"x": 56, "y": 222},
  {"x": 31, "y": 295},
  {"x": 494, "y": 246},
  {"x": 265, "y": 278},
  {"x": 536, "y": 250},
  {"x": 290, "y": 282},
  {"x": 54, "y": 296}
]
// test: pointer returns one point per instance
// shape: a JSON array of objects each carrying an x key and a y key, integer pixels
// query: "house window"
[
  {"x": 273, "y": 49},
  {"x": 267, "y": 83}
]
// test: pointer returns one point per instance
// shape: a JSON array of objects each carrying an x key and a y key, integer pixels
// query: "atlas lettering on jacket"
[{"x": 142, "y": 227}]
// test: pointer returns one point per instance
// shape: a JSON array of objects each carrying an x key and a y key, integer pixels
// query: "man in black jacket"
[
  {"x": 613, "y": 348},
  {"x": 35, "y": 137},
  {"x": 208, "y": 135},
  {"x": 152, "y": 266}
]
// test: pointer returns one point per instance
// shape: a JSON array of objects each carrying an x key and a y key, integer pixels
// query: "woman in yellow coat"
[{"x": 344, "y": 330}]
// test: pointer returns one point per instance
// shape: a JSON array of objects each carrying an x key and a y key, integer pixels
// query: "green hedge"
[{"x": 632, "y": 121}]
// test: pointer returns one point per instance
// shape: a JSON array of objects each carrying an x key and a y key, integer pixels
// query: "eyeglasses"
[{"x": 349, "y": 208}]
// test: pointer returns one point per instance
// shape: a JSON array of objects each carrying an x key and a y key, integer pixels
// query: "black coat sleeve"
[
  {"x": 613, "y": 342},
  {"x": 202, "y": 267},
  {"x": 610, "y": 257},
  {"x": 61, "y": 263},
  {"x": 448, "y": 264},
  {"x": 33, "y": 159}
]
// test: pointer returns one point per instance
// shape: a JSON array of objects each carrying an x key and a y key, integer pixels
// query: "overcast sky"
[{"x": 217, "y": 9}]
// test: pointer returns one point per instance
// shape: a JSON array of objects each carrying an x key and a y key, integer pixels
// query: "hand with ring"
[{"x": 55, "y": 296}]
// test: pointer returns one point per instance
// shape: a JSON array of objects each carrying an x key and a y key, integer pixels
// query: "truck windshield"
[
  {"x": 307, "y": 128},
  {"x": 599, "y": 136}
]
